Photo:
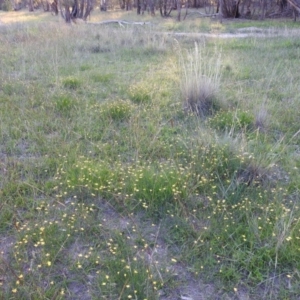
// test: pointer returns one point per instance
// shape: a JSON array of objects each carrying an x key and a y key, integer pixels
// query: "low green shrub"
[
  {"x": 64, "y": 104},
  {"x": 71, "y": 83},
  {"x": 118, "y": 110},
  {"x": 236, "y": 120},
  {"x": 139, "y": 93}
]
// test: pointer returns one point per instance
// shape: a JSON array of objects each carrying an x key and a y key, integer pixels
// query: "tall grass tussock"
[{"x": 200, "y": 79}]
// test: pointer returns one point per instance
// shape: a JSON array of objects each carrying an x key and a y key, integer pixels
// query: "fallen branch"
[
  {"x": 120, "y": 22},
  {"x": 202, "y": 15},
  {"x": 295, "y": 4}
]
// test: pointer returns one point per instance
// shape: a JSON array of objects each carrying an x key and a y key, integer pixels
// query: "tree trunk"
[
  {"x": 229, "y": 8},
  {"x": 30, "y": 5},
  {"x": 75, "y": 10},
  {"x": 165, "y": 8},
  {"x": 263, "y": 9},
  {"x": 128, "y": 5},
  {"x": 46, "y": 5},
  {"x": 296, "y": 7},
  {"x": 54, "y": 7},
  {"x": 138, "y": 7},
  {"x": 88, "y": 9},
  {"x": 178, "y": 10},
  {"x": 81, "y": 9},
  {"x": 245, "y": 4},
  {"x": 151, "y": 6},
  {"x": 143, "y": 6},
  {"x": 72, "y": 10},
  {"x": 67, "y": 14}
]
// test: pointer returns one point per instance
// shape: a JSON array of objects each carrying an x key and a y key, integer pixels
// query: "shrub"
[
  {"x": 64, "y": 104},
  {"x": 139, "y": 93},
  {"x": 85, "y": 68},
  {"x": 238, "y": 120},
  {"x": 117, "y": 110},
  {"x": 104, "y": 78},
  {"x": 71, "y": 83}
]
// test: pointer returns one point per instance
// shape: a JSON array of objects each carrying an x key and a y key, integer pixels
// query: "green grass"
[{"x": 111, "y": 189}]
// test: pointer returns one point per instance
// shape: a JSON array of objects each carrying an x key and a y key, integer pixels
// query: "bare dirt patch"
[
  {"x": 243, "y": 33},
  {"x": 158, "y": 256},
  {"x": 6, "y": 245}
]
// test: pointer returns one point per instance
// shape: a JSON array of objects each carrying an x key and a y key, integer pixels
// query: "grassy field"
[{"x": 135, "y": 164}]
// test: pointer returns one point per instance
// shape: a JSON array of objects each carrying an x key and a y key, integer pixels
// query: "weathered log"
[
  {"x": 202, "y": 15},
  {"x": 295, "y": 4},
  {"x": 120, "y": 22}
]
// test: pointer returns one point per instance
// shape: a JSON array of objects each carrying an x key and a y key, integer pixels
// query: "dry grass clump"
[
  {"x": 140, "y": 40},
  {"x": 261, "y": 119},
  {"x": 252, "y": 174},
  {"x": 200, "y": 80}
]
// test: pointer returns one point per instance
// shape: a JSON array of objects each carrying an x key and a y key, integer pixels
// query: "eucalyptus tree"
[{"x": 75, "y": 9}]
